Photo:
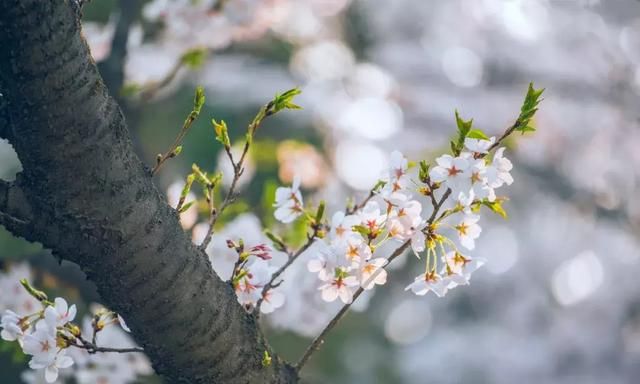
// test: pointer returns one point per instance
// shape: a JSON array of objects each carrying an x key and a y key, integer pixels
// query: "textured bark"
[{"x": 86, "y": 195}]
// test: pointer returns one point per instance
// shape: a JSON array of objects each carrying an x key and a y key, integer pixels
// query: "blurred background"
[{"x": 558, "y": 301}]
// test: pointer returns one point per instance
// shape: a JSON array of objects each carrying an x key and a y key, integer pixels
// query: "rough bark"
[{"x": 86, "y": 195}]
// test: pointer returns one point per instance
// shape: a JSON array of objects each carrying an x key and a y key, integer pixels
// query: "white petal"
[
  {"x": 51, "y": 373},
  {"x": 329, "y": 294}
]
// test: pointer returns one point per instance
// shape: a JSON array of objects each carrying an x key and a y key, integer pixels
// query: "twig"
[
  {"x": 173, "y": 151},
  {"x": 437, "y": 205},
  {"x": 150, "y": 89},
  {"x": 238, "y": 169},
  {"x": 292, "y": 257},
  {"x": 92, "y": 348},
  {"x": 317, "y": 342},
  {"x": 357, "y": 207}
]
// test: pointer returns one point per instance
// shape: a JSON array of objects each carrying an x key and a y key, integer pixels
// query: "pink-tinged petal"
[
  {"x": 418, "y": 241},
  {"x": 345, "y": 295},
  {"x": 61, "y": 305},
  {"x": 72, "y": 313},
  {"x": 329, "y": 293}
]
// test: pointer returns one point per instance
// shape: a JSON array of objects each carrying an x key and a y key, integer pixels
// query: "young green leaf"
[
  {"x": 528, "y": 109},
  {"x": 198, "y": 99},
  {"x": 477, "y": 134},
  {"x": 283, "y": 101},
  {"x": 222, "y": 134},
  {"x": 194, "y": 58}
]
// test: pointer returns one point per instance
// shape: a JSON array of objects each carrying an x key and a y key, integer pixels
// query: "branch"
[
  {"x": 279, "y": 103},
  {"x": 319, "y": 340},
  {"x": 112, "y": 69},
  {"x": 91, "y": 347},
  {"x": 292, "y": 257},
  {"x": 437, "y": 205},
  {"x": 97, "y": 206}
]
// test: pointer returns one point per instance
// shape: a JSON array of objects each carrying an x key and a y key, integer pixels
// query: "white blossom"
[
  {"x": 339, "y": 287},
  {"x": 60, "y": 313},
  {"x": 288, "y": 202},
  {"x": 469, "y": 230},
  {"x": 11, "y": 327},
  {"x": 458, "y": 268},
  {"x": 498, "y": 172},
  {"x": 480, "y": 146},
  {"x": 452, "y": 171},
  {"x": 365, "y": 270},
  {"x": 429, "y": 281},
  {"x": 342, "y": 227}
]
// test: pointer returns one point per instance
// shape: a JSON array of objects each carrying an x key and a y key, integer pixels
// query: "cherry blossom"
[
  {"x": 458, "y": 268},
  {"x": 326, "y": 261},
  {"x": 366, "y": 269},
  {"x": 288, "y": 202},
  {"x": 498, "y": 172},
  {"x": 272, "y": 300},
  {"x": 469, "y": 230},
  {"x": 60, "y": 313},
  {"x": 11, "y": 326},
  {"x": 372, "y": 218},
  {"x": 339, "y": 287},
  {"x": 479, "y": 146},
  {"x": 51, "y": 367},
  {"x": 342, "y": 227},
  {"x": 397, "y": 179},
  {"x": 429, "y": 281},
  {"x": 479, "y": 188},
  {"x": 453, "y": 171}
]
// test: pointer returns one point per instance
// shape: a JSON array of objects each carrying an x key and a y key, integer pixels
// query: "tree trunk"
[{"x": 84, "y": 194}]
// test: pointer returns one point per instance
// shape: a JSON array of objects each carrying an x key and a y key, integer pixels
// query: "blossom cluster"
[
  {"x": 349, "y": 258},
  {"x": 57, "y": 347},
  {"x": 252, "y": 274}
]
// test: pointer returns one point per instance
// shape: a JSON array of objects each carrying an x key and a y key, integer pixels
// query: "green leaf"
[
  {"x": 198, "y": 99},
  {"x": 222, "y": 134},
  {"x": 201, "y": 177},
  {"x": 186, "y": 206},
  {"x": 266, "y": 359},
  {"x": 477, "y": 134},
  {"x": 194, "y": 58},
  {"x": 528, "y": 109},
  {"x": 464, "y": 127},
  {"x": 320, "y": 212},
  {"x": 423, "y": 173},
  {"x": 361, "y": 229},
  {"x": 130, "y": 89},
  {"x": 496, "y": 207},
  {"x": 283, "y": 101}
]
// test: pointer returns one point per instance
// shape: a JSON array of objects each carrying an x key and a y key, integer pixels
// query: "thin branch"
[
  {"x": 229, "y": 198},
  {"x": 437, "y": 205},
  {"x": 357, "y": 207},
  {"x": 173, "y": 151},
  {"x": 149, "y": 90},
  {"x": 238, "y": 169},
  {"x": 112, "y": 69},
  {"x": 292, "y": 257},
  {"x": 318, "y": 341},
  {"x": 91, "y": 347}
]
